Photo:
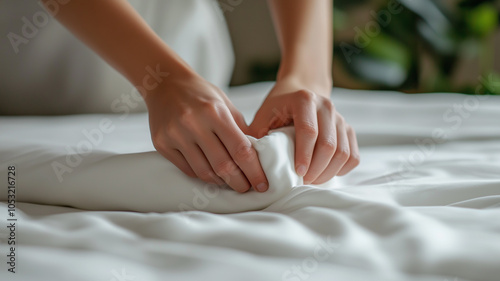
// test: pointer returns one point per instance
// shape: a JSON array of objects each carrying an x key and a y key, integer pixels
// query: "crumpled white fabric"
[
  {"x": 122, "y": 175},
  {"x": 397, "y": 216}
]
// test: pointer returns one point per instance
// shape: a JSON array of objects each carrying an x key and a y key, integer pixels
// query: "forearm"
[
  {"x": 115, "y": 31},
  {"x": 305, "y": 34}
]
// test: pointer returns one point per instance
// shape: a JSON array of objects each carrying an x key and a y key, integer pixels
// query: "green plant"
[{"x": 387, "y": 52}]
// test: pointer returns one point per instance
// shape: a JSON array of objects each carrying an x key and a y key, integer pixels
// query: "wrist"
[
  {"x": 308, "y": 72},
  {"x": 319, "y": 83},
  {"x": 157, "y": 77}
]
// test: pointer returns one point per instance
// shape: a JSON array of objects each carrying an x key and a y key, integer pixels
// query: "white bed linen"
[
  {"x": 95, "y": 170},
  {"x": 417, "y": 208}
]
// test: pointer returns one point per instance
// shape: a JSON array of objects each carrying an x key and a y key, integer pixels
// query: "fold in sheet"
[
  {"x": 417, "y": 208},
  {"x": 64, "y": 173}
]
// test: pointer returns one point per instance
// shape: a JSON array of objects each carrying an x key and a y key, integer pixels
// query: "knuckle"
[
  {"x": 245, "y": 153},
  {"x": 212, "y": 108},
  {"x": 186, "y": 119},
  {"x": 190, "y": 174},
  {"x": 328, "y": 104},
  {"x": 305, "y": 95},
  {"x": 206, "y": 176},
  {"x": 308, "y": 129},
  {"x": 173, "y": 131},
  {"x": 241, "y": 189},
  {"x": 185, "y": 169},
  {"x": 156, "y": 139},
  {"x": 328, "y": 145},
  {"x": 355, "y": 159},
  {"x": 226, "y": 169},
  {"x": 159, "y": 142},
  {"x": 170, "y": 128},
  {"x": 350, "y": 130},
  {"x": 343, "y": 154},
  {"x": 341, "y": 119}
]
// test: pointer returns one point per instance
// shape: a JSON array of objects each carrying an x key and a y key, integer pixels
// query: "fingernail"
[
  {"x": 261, "y": 187},
  {"x": 301, "y": 170}
]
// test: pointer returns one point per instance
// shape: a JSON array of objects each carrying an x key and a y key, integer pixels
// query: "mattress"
[{"x": 94, "y": 201}]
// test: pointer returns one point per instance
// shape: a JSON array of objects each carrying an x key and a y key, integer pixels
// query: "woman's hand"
[
  {"x": 326, "y": 145},
  {"x": 196, "y": 127}
]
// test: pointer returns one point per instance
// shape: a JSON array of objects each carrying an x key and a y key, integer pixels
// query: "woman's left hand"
[{"x": 326, "y": 145}]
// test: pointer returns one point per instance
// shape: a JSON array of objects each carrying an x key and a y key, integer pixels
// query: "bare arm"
[
  {"x": 326, "y": 145},
  {"x": 305, "y": 34},
  {"x": 115, "y": 31},
  {"x": 193, "y": 123}
]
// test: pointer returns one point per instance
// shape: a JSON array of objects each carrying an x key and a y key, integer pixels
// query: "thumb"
[{"x": 261, "y": 124}]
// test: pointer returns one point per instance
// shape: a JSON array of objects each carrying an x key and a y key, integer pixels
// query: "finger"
[
  {"x": 306, "y": 130},
  {"x": 173, "y": 155},
  {"x": 199, "y": 163},
  {"x": 354, "y": 158},
  {"x": 267, "y": 119},
  {"x": 241, "y": 151},
  {"x": 223, "y": 164},
  {"x": 259, "y": 126},
  {"x": 326, "y": 144},
  {"x": 176, "y": 157},
  {"x": 341, "y": 153}
]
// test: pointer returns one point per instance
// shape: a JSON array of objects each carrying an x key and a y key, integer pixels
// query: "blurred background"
[{"x": 405, "y": 45}]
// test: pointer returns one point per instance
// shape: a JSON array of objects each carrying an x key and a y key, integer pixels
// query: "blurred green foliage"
[{"x": 386, "y": 51}]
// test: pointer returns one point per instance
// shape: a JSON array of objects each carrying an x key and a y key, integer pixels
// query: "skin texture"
[
  {"x": 193, "y": 123},
  {"x": 325, "y": 144},
  {"x": 198, "y": 129}
]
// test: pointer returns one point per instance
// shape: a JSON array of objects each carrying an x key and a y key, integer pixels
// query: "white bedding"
[{"x": 419, "y": 207}]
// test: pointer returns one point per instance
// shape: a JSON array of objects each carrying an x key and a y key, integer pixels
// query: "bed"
[{"x": 94, "y": 201}]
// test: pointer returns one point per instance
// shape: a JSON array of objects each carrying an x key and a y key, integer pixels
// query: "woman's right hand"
[{"x": 195, "y": 126}]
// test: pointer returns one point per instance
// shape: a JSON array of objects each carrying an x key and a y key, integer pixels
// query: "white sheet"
[
  {"x": 417, "y": 208},
  {"x": 107, "y": 170}
]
